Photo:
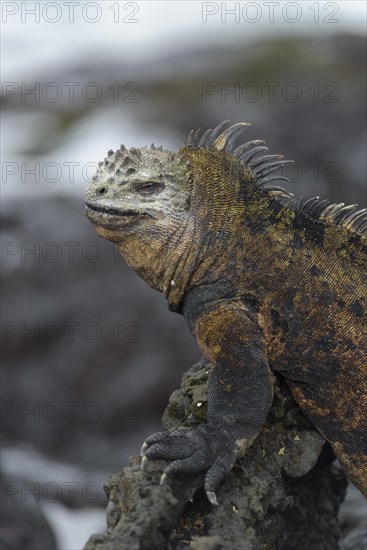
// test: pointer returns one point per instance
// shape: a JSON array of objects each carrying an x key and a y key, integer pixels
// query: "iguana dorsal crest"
[{"x": 263, "y": 167}]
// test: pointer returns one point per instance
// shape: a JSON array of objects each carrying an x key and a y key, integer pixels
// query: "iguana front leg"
[{"x": 240, "y": 394}]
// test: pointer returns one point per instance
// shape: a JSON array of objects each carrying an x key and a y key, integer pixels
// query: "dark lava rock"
[{"x": 285, "y": 493}]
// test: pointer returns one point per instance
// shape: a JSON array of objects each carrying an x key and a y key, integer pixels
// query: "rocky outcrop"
[{"x": 284, "y": 493}]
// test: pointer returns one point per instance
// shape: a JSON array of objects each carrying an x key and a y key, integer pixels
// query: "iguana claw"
[
  {"x": 143, "y": 448},
  {"x": 144, "y": 460},
  {"x": 212, "y": 497},
  {"x": 163, "y": 479}
]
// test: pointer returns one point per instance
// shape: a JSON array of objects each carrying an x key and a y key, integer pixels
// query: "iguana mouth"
[{"x": 109, "y": 216}]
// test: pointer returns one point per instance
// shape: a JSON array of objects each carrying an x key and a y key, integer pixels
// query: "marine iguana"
[{"x": 266, "y": 283}]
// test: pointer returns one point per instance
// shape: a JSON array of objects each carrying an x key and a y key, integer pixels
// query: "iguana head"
[
  {"x": 135, "y": 190},
  {"x": 163, "y": 209},
  {"x": 139, "y": 199}
]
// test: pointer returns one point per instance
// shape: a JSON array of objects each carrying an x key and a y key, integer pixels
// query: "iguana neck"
[{"x": 225, "y": 202}]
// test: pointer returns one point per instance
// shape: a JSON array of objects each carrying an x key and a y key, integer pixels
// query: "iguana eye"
[{"x": 148, "y": 187}]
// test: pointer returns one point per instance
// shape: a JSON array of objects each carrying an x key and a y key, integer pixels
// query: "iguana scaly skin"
[{"x": 265, "y": 282}]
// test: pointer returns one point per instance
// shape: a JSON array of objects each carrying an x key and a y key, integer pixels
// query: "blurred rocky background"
[{"x": 90, "y": 353}]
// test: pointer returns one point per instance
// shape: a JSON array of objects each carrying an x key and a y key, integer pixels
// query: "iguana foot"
[{"x": 192, "y": 451}]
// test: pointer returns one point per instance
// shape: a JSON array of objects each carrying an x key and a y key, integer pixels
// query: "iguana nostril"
[{"x": 102, "y": 190}]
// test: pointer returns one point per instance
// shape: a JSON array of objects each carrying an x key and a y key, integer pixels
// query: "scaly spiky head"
[
  {"x": 135, "y": 187},
  {"x": 139, "y": 199}
]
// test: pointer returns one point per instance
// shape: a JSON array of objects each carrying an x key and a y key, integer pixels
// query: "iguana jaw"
[{"x": 113, "y": 217}]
